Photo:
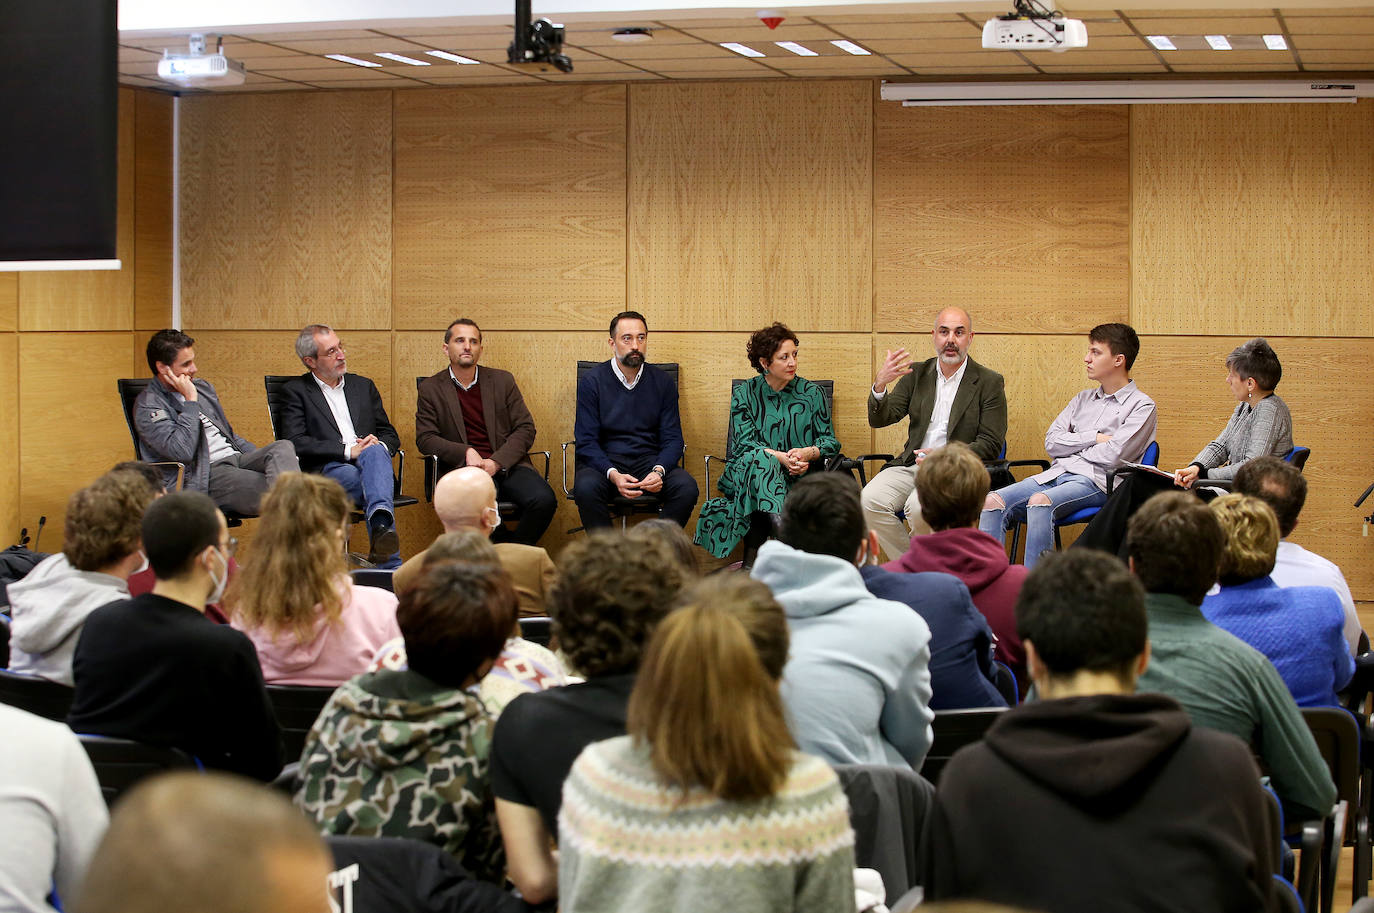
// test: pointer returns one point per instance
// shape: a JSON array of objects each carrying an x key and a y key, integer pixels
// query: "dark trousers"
[
  {"x": 1106, "y": 532},
  {"x": 524, "y": 487},
  {"x": 593, "y": 493}
]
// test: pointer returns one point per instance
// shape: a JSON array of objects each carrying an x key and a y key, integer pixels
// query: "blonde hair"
[
  {"x": 951, "y": 486},
  {"x": 706, "y": 701},
  {"x": 292, "y": 581},
  {"x": 1252, "y": 538}
]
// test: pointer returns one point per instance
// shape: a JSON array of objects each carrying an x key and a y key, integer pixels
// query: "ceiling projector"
[
  {"x": 197, "y": 68},
  {"x": 1033, "y": 28}
]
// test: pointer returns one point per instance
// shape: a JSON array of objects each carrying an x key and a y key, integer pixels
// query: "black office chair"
[
  {"x": 395, "y": 874},
  {"x": 373, "y": 576},
  {"x": 129, "y": 390},
  {"x": 953, "y": 729},
  {"x": 38, "y": 696},
  {"x": 647, "y": 503},
  {"x": 4, "y": 641},
  {"x": 1337, "y": 734},
  {"x": 121, "y": 763},
  {"x": 888, "y": 805},
  {"x": 537, "y": 629},
  {"x": 296, "y": 708}
]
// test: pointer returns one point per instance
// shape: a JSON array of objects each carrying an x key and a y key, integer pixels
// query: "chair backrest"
[
  {"x": 953, "y": 729},
  {"x": 4, "y": 641},
  {"x": 296, "y": 708},
  {"x": 827, "y": 393},
  {"x": 388, "y": 874},
  {"x": 1151, "y": 457},
  {"x": 129, "y": 390},
  {"x": 38, "y": 696},
  {"x": 1338, "y": 739},
  {"x": 1298, "y": 457},
  {"x": 372, "y": 576},
  {"x": 276, "y": 398},
  {"x": 120, "y": 763},
  {"x": 537, "y": 629},
  {"x": 888, "y": 806}
]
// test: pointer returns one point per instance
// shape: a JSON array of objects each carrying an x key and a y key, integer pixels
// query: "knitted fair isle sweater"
[{"x": 629, "y": 842}]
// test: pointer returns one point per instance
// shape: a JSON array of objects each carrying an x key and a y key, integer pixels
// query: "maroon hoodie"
[{"x": 980, "y": 561}]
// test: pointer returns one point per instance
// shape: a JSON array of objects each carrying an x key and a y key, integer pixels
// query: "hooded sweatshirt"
[
  {"x": 395, "y": 754},
  {"x": 49, "y": 606},
  {"x": 980, "y": 561},
  {"x": 1103, "y": 797},
  {"x": 857, "y": 680},
  {"x": 337, "y": 651}
]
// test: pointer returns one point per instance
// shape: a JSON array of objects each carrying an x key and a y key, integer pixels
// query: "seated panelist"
[{"x": 782, "y": 430}]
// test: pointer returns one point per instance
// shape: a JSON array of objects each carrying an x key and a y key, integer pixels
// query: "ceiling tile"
[
  {"x": 1225, "y": 68},
  {"x": 705, "y": 65},
  {"x": 510, "y": 79},
  {"x": 1084, "y": 57},
  {"x": 1104, "y": 71},
  {"x": 970, "y": 59},
  {"x": 369, "y": 45},
  {"x": 1250, "y": 25},
  {"x": 1010, "y": 70},
  {"x": 757, "y": 34},
  {"x": 893, "y": 16},
  {"x": 1348, "y": 25},
  {"x": 1333, "y": 42},
  {"x": 857, "y": 66},
  {"x": 344, "y": 73},
  {"x": 603, "y": 39},
  {"x": 910, "y": 29},
  {"x": 1227, "y": 59},
  {"x": 1349, "y": 56},
  {"x": 760, "y": 73},
  {"x": 127, "y": 55},
  {"x": 640, "y": 53}
]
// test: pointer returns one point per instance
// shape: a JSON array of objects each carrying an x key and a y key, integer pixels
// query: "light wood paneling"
[
  {"x": 510, "y": 206},
  {"x": 9, "y": 302},
  {"x": 71, "y": 426},
  {"x": 153, "y": 210},
  {"x": 1253, "y": 218},
  {"x": 91, "y": 299},
  {"x": 10, "y": 521},
  {"x": 1018, "y": 214},
  {"x": 752, "y": 202},
  {"x": 286, "y": 210}
]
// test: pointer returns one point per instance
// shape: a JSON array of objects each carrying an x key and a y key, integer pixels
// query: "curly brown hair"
[
  {"x": 105, "y": 520},
  {"x": 612, "y": 590},
  {"x": 764, "y": 343}
]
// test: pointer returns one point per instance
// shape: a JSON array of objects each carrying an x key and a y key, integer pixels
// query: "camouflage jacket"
[{"x": 393, "y": 754}]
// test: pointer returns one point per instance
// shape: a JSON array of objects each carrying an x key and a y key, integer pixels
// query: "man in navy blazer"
[{"x": 340, "y": 429}]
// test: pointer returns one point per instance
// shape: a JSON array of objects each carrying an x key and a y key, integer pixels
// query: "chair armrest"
[
  {"x": 1309, "y": 868},
  {"x": 1043, "y": 464},
  {"x": 548, "y": 458},
  {"x": 856, "y": 464},
  {"x": 709, "y": 458},
  {"x": 564, "y": 470},
  {"x": 180, "y": 468},
  {"x": 431, "y": 475}
]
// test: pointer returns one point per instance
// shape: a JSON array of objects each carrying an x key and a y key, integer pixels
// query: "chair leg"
[{"x": 1015, "y": 541}]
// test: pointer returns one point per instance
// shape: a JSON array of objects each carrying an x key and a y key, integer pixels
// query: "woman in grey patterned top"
[{"x": 1260, "y": 426}]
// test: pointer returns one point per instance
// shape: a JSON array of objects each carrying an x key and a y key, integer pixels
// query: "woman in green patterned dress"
[{"x": 781, "y": 427}]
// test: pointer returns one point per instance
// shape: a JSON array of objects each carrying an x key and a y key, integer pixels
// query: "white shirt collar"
[
  {"x": 325, "y": 387},
  {"x": 957, "y": 376},
  {"x": 476, "y": 372},
  {"x": 627, "y": 384}
]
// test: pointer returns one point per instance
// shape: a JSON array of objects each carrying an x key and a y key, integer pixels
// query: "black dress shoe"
[{"x": 382, "y": 538}]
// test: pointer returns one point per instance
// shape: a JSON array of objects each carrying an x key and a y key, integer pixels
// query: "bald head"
[
  {"x": 953, "y": 335},
  {"x": 953, "y": 317},
  {"x": 461, "y": 499}
]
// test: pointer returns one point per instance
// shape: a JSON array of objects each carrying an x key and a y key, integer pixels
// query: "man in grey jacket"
[{"x": 179, "y": 419}]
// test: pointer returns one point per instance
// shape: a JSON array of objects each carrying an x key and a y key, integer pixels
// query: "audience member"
[
  {"x": 1175, "y": 545},
  {"x": 465, "y": 499},
  {"x": 628, "y": 431},
  {"x": 212, "y": 844},
  {"x": 1098, "y": 431},
  {"x": 675, "y": 538},
  {"x": 154, "y": 669},
  {"x": 952, "y": 486},
  {"x": 101, "y": 547},
  {"x": 473, "y": 416},
  {"x": 781, "y": 429},
  {"x": 178, "y": 418},
  {"x": 857, "y": 687},
  {"x": 707, "y": 804},
  {"x": 1297, "y": 627},
  {"x": 309, "y": 622},
  {"x": 1282, "y": 486},
  {"x": 611, "y": 592},
  {"x": 1119, "y": 801},
  {"x": 405, "y": 753},
  {"x": 948, "y": 398},
  {"x": 51, "y": 813},
  {"x": 339, "y": 427}
]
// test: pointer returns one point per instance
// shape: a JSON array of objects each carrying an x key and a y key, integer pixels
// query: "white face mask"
[{"x": 220, "y": 582}]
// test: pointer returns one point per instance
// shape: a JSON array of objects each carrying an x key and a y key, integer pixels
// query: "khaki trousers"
[{"x": 889, "y": 491}]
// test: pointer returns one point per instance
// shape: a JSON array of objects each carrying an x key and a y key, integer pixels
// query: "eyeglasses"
[{"x": 332, "y": 351}]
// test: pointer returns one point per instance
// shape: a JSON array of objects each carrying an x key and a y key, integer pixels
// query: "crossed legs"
[{"x": 1038, "y": 504}]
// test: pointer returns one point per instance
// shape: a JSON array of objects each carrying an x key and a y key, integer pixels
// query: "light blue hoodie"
[{"x": 857, "y": 681}]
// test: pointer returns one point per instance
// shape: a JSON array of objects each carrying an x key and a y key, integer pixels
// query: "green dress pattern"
[{"x": 762, "y": 419}]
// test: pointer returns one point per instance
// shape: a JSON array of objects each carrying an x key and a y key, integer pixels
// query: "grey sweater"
[{"x": 1265, "y": 429}]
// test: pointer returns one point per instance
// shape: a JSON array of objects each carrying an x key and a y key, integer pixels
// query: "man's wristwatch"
[{"x": 660, "y": 470}]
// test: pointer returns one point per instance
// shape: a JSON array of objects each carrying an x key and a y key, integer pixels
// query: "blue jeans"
[
  {"x": 368, "y": 481},
  {"x": 1067, "y": 493}
]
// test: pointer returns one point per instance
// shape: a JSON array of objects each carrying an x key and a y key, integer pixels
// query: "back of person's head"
[
  {"x": 1252, "y": 538},
  {"x": 211, "y": 843},
  {"x": 706, "y": 699},
  {"x": 293, "y": 579},
  {"x": 952, "y": 486},
  {"x": 674, "y": 538},
  {"x": 464, "y": 545},
  {"x": 465, "y": 498},
  {"x": 1277, "y": 483},
  {"x": 1256, "y": 359},
  {"x": 1082, "y": 610},
  {"x": 150, "y": 474},
  {"x": 1175, "y": 546},
  {"x": 164, "y": 346},
  {"x": 1120, "y": 338},
  {"x": 455, "y": 619},
  {"x": 611, "y": 591},
  {"x": 823, "y": 515},
  {"x": 176, "y": 529},
  {"x": 104, "y": 522}
]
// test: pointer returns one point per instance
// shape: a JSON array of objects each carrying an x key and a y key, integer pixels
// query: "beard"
[
  {"x": 632, "y": 360},
  {"x": 951, "y": 356}
]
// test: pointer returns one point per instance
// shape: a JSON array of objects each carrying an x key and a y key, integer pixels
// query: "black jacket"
[{"x": 309, "y": 425}]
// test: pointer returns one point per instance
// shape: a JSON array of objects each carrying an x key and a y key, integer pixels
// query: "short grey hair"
[{"x": 305, "y": 341}]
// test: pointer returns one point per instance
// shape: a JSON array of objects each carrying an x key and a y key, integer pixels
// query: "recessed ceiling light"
[
  {"x": 844, "y": 44},
  {"x": 1218, "y": 42},
  {"x": 636, "y": 35},
  {"x": 1161, "y": 42},
  {"x": 1275, "y": 43},
  {"x": 344, "y": 58},
  {"x": 744, "y": 49},
  {"x": 799, "y": 50},
  {"x": 401, "y": 58},
  {"x": 456, "y": 58}
]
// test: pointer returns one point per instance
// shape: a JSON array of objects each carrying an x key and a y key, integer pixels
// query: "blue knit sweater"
[{"x": 619, "y": 428}]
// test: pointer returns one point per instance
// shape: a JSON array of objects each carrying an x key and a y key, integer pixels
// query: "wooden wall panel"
[
  {"x": 10, "y": 521},
  {"x": 92, "y": 299},
  {"x": 1253, "y": 218},
  {"x": 71, "y": 426},
  {"x": 750, "y": 203},
  {"x": 9, "y": 302},
  {"x": 153, "y": 210},
  {"x": 286, "y": 210},
  {"x": 510, "y": 206},
  {"x": 1019, "y": 214}
]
